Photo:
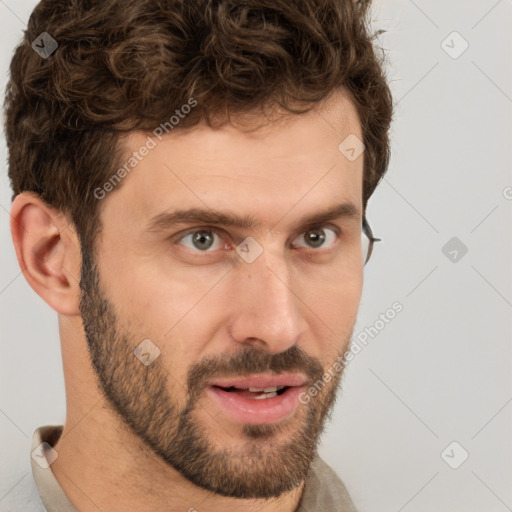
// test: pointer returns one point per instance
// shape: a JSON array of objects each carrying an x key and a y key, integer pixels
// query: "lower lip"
[{"x": 263, "y": 411}]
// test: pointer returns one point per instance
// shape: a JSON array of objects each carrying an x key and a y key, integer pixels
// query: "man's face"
[{"x": 222, "y": 321}]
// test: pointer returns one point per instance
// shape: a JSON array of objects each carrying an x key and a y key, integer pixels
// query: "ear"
[{"x": 48, "y": 252}]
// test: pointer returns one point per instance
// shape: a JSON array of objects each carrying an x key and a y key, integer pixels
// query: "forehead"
[{"x": 286, "y": 167}]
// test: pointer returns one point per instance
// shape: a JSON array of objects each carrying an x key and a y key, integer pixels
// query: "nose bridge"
[{"x": 268, "y": 309}]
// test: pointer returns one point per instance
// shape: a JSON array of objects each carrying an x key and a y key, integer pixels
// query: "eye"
[
  {"x": 204, "y": 240},
  {"x": 201, "y": 240},
  {"x": 316, "y": 237}
]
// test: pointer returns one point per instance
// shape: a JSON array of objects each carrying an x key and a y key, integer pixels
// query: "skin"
[{"x": 292, "y": 310}]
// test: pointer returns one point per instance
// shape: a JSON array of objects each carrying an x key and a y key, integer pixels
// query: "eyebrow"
[{"x": 167, "y": 220}]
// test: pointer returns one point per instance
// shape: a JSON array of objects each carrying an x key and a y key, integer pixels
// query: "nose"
[{"x": 268, "y": 309}]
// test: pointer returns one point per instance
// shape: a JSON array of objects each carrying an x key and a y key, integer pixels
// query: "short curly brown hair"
[{"x": 123, "y": 65}]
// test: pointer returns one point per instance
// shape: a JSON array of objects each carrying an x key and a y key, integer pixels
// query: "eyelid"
[
  {"x": 334, "y": 227},
  {"x": 181, "y": 235}
]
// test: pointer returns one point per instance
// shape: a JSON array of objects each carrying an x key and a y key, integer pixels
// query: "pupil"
[
  {"x": 317, "y": 237},
  {"x": 200, "y": 236}
]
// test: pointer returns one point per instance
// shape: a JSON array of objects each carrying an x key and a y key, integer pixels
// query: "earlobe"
[{"x": 47, "y": 251}]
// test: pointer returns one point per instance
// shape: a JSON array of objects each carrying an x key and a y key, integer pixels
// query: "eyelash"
[{"x": 333, "y": 228}]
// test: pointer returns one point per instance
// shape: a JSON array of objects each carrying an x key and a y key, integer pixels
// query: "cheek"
[
  {"x": 154, "y": 300},
  {"x": 334, "y": 307},
  {"x": 179, "y": 315},
  {"x": 335, "y": 294}
]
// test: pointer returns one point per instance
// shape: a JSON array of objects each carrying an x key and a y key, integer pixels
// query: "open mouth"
[
  {"x": 256, "y": 393},
  {"x": 258, "y": 399}
]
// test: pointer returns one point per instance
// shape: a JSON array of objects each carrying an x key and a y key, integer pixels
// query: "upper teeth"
[{"x": 266, "y": 390}]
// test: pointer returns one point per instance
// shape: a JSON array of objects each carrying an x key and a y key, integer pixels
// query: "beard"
[{"x": 261, "y": 467}]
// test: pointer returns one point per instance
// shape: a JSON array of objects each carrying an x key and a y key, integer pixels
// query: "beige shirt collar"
[{"x": 42, "y": 455}]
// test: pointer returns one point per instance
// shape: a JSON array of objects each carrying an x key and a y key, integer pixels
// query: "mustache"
[{"x": 249, "y": 361}]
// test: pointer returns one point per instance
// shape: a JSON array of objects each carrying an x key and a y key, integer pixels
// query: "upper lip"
[{"x": 260, "y": 381}]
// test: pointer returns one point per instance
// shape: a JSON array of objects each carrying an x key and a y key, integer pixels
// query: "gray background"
[{"x": 440, "y": 371}]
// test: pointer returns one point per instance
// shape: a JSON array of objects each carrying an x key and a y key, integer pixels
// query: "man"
[{"x": 190, "y": 185}]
